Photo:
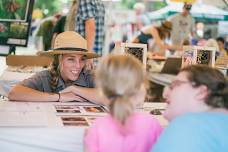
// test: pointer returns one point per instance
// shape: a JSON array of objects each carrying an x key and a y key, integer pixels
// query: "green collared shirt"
[{"x": 41, "y": 81}]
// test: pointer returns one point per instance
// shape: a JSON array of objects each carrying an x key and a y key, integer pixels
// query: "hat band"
[
  {"x": 166, "y": 27},
  {"x": 71, "y": 49}
]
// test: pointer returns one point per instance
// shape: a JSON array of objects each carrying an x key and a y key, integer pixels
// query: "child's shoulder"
[
  {"x": 104, "y": 119},
  {"x": 145, "y": 121},
  {"x": 143, "y": 115},
  {"x": 144, "y": 118},
  {"x": 139, "y": 117}
]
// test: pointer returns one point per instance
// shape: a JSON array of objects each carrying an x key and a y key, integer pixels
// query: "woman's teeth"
[{"x": 74, "y": 71}]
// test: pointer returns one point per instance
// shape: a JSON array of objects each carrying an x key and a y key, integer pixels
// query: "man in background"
[
  {"x": 222, "y": 49},
  {"x": 182, "y": 25}
]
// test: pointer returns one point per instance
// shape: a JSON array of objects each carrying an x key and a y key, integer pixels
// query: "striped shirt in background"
[{"x": 92, "y": 9}]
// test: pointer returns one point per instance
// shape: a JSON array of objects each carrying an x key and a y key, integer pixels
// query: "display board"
[
  {"x": 15, "y": 20},
  {"x": 198, "y": 55},
  {"x": 137, "y": 50}
]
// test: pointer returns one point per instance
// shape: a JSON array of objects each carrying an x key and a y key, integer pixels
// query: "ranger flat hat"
[
  {"x": 70, "y": 42},
  {"x": 167, "y": 25}
]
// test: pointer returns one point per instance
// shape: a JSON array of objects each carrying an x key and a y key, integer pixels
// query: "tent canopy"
[{"x": 198, "y": 11}]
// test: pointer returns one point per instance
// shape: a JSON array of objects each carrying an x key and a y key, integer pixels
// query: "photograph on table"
[
  {"x": 67, "y": 109},
  {"x": 137, "y": 50},
  {"x": 94, "y": 109},
  {"x": 79, "y": 110},
  {"x": 74, "y": 121},
  {"x": 198, "y": 55},
  {"x": 14, "y": 10},
  {"x": 91, "y": 119},
  {"x": 157, "y": 111}
]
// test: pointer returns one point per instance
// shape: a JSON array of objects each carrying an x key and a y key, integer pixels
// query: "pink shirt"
[{"x": 138, "y": 134}]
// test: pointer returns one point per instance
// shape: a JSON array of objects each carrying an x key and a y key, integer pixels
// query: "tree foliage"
[
  {"x": 128, "y": 3},
  {"x": 53, "y": 6}
]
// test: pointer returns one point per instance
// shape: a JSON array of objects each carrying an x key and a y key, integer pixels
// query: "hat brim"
[{"x": 88, "y": 55}]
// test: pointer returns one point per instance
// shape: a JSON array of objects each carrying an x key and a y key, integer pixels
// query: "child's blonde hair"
[{"x": 120, "y": 78}]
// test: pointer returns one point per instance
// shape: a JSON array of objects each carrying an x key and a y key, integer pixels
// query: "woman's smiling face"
[{"x": 71, "y": 66}]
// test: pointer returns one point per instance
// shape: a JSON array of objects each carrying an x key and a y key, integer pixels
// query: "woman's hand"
[
  {"x": 89, "y": 64},
  {"x": 160, "y": 53}
]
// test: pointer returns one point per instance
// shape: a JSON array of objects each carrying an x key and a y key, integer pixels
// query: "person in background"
[
  {"x": 141, "y": 19},
  {"x": 221, "y": 44},
  {"x": 226, "y": 42},
  {"x": 197, "y": 110},
  {"x": 66, "y": 23},
  {"x": 44, "y": 31},
  {"x": 183, "y": 25},
  {"x": 213, "y": 43},
  {"x": 123, "y": 129},
  {"x": 158, "y": 34},
  {"x": 67, "y": 69},
  {"x": 58, "y": 28}
]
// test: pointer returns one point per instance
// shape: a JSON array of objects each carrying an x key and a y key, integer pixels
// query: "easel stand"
[{"x": 12, "y": 49}]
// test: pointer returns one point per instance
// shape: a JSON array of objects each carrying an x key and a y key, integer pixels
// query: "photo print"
[
  {"x": 137, "y": 50},
  {"x": 67, "y": 109},
  {"x": 198, "y": 55},
  {"x": 204, "y": 57},
  {"x": 91, "y": 119},
  {"x": 4, "y": 29},
  {"x": 14, "y": 10},
  {"x": 157, "y": 111},
  {"x": 18, "y": 30},
  {"x": 94, "y": 109},
  {"x": 74, "y": 121},
  {"x": 188, "y": 58}
]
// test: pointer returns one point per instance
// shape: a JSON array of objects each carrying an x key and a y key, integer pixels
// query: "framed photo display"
[
  {"x": 15, "y": 22},
  {"x": 14, "y": 10},
  {"x": 198, "y": 55},
  {"x": 137, "y": 50}
]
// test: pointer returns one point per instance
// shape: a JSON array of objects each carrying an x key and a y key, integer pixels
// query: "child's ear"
[{"x": 202, "y": 92}]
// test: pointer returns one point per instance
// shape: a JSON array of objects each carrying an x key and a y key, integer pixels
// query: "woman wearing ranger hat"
[{"x": 67, "y": 69}]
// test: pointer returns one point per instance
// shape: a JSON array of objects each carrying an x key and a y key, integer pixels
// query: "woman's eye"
[{"x": 70, "y": 59}]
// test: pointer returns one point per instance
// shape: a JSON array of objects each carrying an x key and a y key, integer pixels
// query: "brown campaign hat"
[
  {"x": 167, "y": 25},
  {"x": 70, "y": 42}
]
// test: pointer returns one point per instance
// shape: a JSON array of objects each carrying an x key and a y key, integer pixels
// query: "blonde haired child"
[{"x": 121, "y": 79}]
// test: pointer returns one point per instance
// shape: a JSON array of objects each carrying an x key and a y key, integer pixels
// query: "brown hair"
[
  {"x": 55, "y": 71},
  {"x": 120, "y": 77},
  {"x": 215, "y": 82}
]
